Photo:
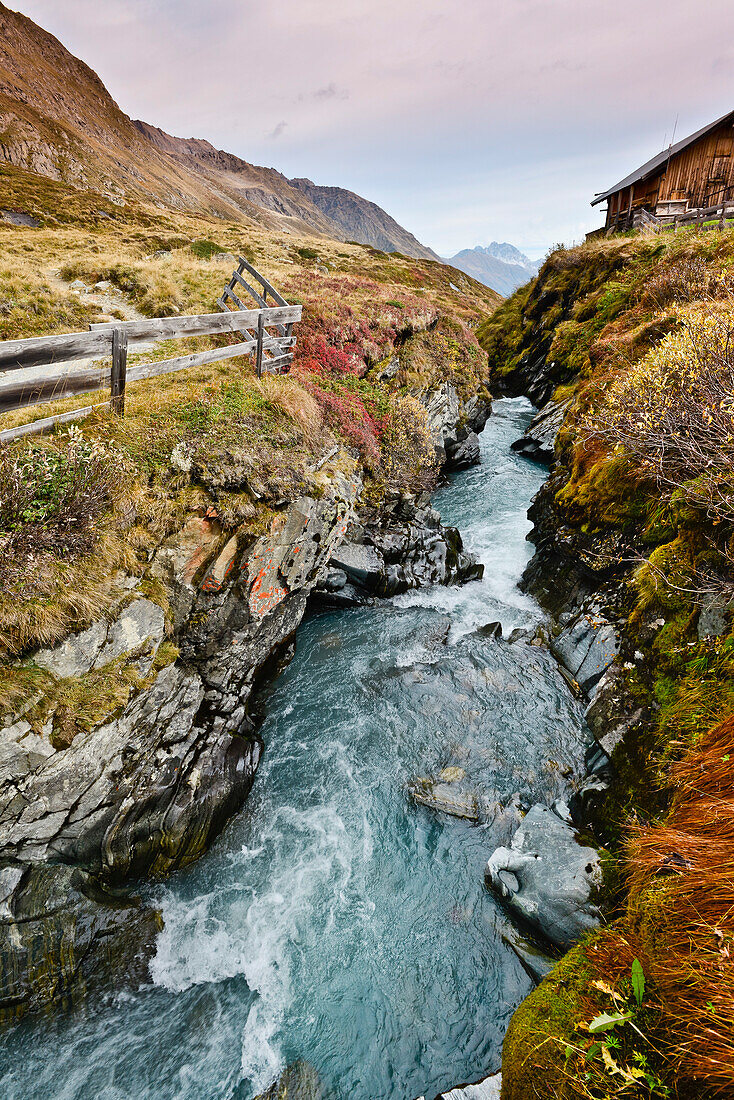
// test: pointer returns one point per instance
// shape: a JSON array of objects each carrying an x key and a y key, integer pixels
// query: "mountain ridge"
[
  {"x": 499, "y": 265},
  {"x": 58, "y": 120}
]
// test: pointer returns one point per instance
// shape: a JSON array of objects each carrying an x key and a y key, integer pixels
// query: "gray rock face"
[
  {"x": 453, "y": 429},
  {"x": 586, "y": 645},
  {"x": 407, "y": 547},
  {"x": 539, "y": 440},
  {"x": 547, "y": 878},
  {"x": 140, "y": 624},
  {"x": 147, "y": 789},
  {"x": 488, "y": 1089},
  {"x": 146, "y": 792}
]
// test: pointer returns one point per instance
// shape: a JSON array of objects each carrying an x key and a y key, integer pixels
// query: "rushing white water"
[{"x": 334, "y": 920}]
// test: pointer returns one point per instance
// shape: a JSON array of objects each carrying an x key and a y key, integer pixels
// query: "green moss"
[{"x": 535, "y": 1051}]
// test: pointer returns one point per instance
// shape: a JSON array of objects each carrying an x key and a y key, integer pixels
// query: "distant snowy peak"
[
  {"x": 506, "y": 252},
  {"x": 500, "y": 266}
]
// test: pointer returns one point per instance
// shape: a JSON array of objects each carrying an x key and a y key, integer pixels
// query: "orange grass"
[{"x": 691, "y": 950}]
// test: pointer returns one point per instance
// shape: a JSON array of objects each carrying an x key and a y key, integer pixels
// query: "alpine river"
[{"x": 335, "y": 920}]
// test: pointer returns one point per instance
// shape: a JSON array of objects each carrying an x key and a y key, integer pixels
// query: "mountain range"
[
  {"x": 58, "y": 120},
  {"x": 500, "y": 266}
]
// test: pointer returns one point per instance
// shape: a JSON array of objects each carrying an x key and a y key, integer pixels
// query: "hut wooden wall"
[{"x": 698, "y": 174}]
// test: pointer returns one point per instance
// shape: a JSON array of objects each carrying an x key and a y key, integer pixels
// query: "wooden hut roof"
[{"x": 659, "y": 160}]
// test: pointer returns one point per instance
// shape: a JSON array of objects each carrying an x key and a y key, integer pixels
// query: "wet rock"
[
  {"x": 464, "y": 453},
  {"x": 548, "y": 878},
  {"x": 453, "y": 428},
  {"x": 586, "y": 645},
  {"x": 60, "y": 931},
  {"x": 488, "y": 1089},
  {"x": 298, "y": 1082},
  {"x": 613, "y": 710},
  {"x": 406, "y": 547},
  {"x": 538, "y": 442},
  {"x": 535, "y": 962},
  {"x": 364, "y": 565},
  {"x": 147, "y": 792}
]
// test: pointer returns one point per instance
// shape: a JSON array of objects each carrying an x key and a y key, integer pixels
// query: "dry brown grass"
[{"x": 686, "y": 868}]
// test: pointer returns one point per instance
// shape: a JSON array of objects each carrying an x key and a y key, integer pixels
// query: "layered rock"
[
  {"x": 538, "y": 441},
  {"x": 548, "y": 878},
  {"x": 454, "y": 428},
  {"x": 146, "y": 791},
  {"x": 143, "y": 789},
  {"x": 405, "y": 546}
]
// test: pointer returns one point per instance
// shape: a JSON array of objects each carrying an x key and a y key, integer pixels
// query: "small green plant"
[
  {"x": 307, "y": 253},
  {"x": 612, "y": 1051}
]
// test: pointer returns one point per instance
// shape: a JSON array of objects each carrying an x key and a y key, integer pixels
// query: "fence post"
[
  {"x": 119, "y": 371},
  {"x": 260, "y": 333}
]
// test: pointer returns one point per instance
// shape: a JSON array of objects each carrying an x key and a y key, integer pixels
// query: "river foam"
[{"x": 335, "y": 920}]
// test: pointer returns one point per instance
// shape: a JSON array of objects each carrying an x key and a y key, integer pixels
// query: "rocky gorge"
[{"x": 83, "y": 821}]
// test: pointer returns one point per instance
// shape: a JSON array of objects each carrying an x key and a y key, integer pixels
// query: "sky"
[{"x": 468, "y": 121}]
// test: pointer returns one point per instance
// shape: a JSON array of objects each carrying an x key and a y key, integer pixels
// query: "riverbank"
[
  {"x": 626, "y": 341},
  {"x": 155, "y": 568}
]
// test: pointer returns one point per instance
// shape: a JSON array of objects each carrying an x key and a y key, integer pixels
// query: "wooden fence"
[
  {"x": 709, "y": 217},
  {"x": 272, "y": 351}
]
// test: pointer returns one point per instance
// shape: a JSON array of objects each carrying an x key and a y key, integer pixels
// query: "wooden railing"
[
  {"x": 272, "y": 351},
  {"x": 709, "y": 217},
  {"x": 717, "y": 215}
]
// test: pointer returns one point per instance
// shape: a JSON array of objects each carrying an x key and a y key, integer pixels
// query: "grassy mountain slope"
[
  {"x": 361, "y": 309},
  {"x": 361, "y": 220},
  {"x": 58, "y": 120}
]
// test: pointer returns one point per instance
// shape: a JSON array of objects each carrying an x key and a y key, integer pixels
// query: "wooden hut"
[{"x": 695, "y": 173}]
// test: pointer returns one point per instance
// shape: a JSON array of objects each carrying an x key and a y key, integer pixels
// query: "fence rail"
[
  {"x": 639, "y": 217},
  {"x": 272, "y": 351}
]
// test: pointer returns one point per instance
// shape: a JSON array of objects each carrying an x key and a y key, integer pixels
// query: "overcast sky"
[{"x": 468, "y": 120}]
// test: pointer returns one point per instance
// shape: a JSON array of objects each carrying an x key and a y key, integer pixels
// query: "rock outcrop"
[
  {"x": 405, "y": 546},
  {"x": 145, "y": 791},
  {"x": 454, "y": 428},
  {"x": 298, "y": 1082},
  {"x": 548, "y": 878},
  {"x": 488, "y": 1089},
  {"x": 538, "y": 441},
  {"x": 144, "y": 787}
]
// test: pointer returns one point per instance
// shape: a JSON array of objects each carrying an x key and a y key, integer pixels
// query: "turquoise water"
[{"x": 334, "y": 920}]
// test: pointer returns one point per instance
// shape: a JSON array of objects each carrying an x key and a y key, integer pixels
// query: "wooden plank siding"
[{"x": 701, "y": 175}]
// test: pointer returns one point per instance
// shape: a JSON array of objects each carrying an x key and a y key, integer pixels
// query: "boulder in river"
[
  {"x": 539, "y": 440},
  {"x": 406, "y": 547},
  {"x": 488, "y": 1089},
  {"x": 548, "y": 877},
  {"x": 453, "y": 428},
  {"x": 298, "y": 1082}
]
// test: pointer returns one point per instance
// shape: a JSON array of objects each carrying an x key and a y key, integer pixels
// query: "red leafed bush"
[{"x": 347, "y": 414}]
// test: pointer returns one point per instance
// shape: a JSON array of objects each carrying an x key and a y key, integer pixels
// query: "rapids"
[{"x": 334, "y": 920}]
